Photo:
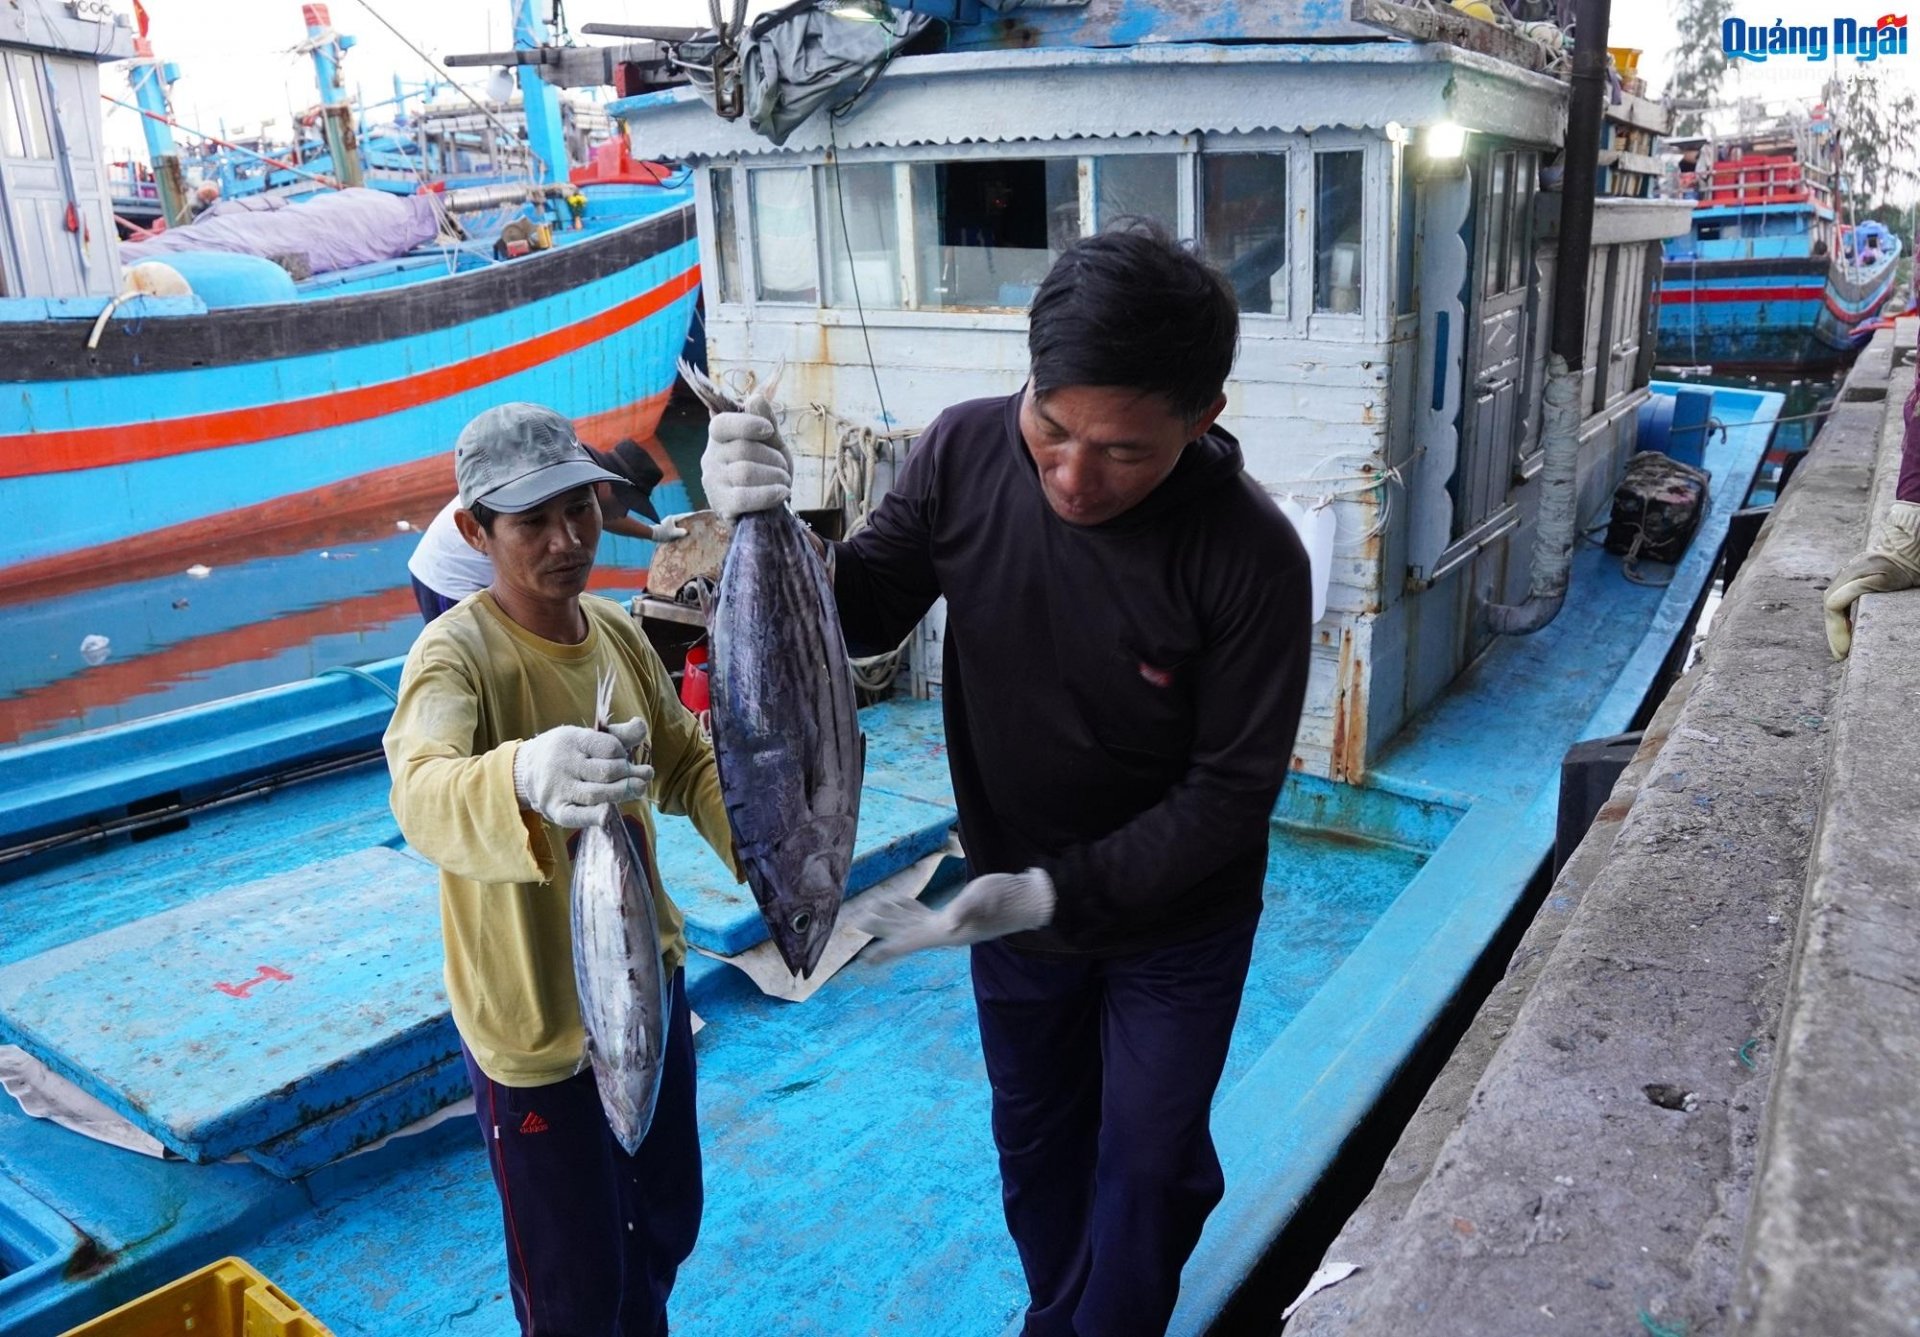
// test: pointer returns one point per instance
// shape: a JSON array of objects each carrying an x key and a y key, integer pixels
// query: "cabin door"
[{"x": 1494, "y": 377}]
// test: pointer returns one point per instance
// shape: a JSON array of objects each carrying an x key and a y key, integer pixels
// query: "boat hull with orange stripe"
[{"x": 173, "y": 420}]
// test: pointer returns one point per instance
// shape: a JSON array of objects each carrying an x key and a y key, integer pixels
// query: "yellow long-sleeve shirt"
[{"x": 475, "y": 684}]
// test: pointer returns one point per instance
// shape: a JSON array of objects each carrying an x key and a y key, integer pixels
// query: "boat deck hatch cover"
[{"x": 251, "y": 1012}]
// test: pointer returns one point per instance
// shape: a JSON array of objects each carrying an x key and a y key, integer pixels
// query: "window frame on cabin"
[
  {"x": 1383, "y": 172},
  {"x": 806, "y": 296},
  {"x": 724, "y": 227}
]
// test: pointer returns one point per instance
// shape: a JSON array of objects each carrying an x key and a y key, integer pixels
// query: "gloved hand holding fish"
[
  {"x": 991, "y": 906},
  {"x": 746, "y": 466},
  {"x": 786, "y": 738},
  {"x": 568, "y": 773},
  {"x": 625, "y": 993}
]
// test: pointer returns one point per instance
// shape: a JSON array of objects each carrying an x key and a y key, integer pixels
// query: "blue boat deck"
[{"x": 851, "y": 1184}]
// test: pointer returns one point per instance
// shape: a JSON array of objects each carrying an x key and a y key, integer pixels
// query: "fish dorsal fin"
[{"x": 603, "y": 701}]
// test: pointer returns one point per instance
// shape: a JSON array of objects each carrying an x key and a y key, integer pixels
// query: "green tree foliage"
[
  {"x": 1698, "y": 62},
  {"x": 1877, "y": 137}
]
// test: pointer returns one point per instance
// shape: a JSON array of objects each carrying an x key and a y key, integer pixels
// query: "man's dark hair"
[
  {"x": 483, "y": 515},
  {"x": 1133, "y": 307}
]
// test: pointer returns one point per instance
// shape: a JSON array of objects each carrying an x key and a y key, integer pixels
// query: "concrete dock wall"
[{"x": 1690, "y": 1108}]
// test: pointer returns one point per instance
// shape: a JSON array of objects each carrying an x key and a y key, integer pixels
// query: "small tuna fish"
[
  {"x": 786, "y": 736},
  {"x": 617, "y": 970}
]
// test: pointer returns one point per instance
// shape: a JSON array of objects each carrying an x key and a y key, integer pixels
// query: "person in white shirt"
[{"x": 445, "y": 569}]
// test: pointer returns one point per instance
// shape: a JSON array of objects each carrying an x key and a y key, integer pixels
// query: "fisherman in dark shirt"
[{"x": 1126, "y": 654}]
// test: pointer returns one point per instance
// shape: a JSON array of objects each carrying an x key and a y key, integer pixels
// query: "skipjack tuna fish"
[
  {"x": 785, "y": 734},
  {"x": 617, "y": 971},
  {"x": 1884, "y": 36}
]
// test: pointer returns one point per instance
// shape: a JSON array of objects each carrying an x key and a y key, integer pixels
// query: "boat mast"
[
  {"x": 540, "y": 100},
  {"x": 336, "y": 116},
  {"x": 151, "y": 78}
]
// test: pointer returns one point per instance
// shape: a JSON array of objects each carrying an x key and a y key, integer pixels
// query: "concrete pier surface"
[{"x": 1692, "y": 1106}]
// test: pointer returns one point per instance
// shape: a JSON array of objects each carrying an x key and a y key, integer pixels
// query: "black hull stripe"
[{"x": 54, "y": 350}]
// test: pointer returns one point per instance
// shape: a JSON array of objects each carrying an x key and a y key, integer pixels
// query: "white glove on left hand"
[
  {"x": 668, "y": 529},
  {"x": 987, "y": 907}
]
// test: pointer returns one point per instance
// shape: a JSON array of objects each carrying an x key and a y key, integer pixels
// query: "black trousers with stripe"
[{"x": 595, "y": 1237}]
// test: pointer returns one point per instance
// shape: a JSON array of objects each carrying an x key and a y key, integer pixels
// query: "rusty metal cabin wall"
[{"x": 1311, "y": 398}]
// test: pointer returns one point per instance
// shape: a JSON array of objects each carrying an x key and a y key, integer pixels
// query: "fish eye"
[{"x": 801, "y": 922}]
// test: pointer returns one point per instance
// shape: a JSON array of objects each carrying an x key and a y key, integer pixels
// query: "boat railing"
[{"x": 1759, "y": 180}]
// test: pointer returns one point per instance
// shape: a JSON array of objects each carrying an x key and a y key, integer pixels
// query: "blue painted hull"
[
  {"x": 1767, "y": 314},
  {"x": 177, "y": 418}
]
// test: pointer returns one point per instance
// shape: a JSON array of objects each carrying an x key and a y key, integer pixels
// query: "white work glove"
[
  {"x": 1891, "y": 562},
  {"x": 669, "y": 529},
  {"x": 568, "y": 774},
  {"x": 746, "y": 467},
  {"x": 987, "y": 907}
]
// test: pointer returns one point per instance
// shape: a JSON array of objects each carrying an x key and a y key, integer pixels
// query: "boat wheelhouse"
[{"x": 1378, "y": 205}]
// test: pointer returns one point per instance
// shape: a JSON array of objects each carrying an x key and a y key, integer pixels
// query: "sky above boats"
[{"x": 239, "y": 66}]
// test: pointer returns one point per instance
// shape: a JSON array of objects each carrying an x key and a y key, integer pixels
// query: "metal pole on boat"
[
  {"x": 150, "y": 78},
  {"x": 1554, "y": 530},
  {"x": 546, "y": 135},
  {"x": 336, "y": 116}
]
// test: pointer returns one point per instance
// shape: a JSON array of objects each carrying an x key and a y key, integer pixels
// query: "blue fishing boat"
[
  {"x": 1771, "y": 277},
  {"x": 135, "y": 426},
  {"x": 212, "y": 930}
]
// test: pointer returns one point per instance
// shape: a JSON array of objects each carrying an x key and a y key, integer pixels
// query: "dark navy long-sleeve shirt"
[
  {"x": 1908, "y": 488},
  {"x": 1121, "y": 699}
]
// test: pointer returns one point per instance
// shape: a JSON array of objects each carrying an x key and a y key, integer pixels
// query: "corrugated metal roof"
[{"x": 1006, "y": 97}]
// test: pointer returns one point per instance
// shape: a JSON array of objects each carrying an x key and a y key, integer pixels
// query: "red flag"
[
  {"x": 140, "y": 16},
  {"x": 1892, "y": 21}
]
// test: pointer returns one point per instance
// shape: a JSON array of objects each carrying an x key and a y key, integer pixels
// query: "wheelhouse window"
[
  {"x": 1137, "y": 185},
  {"x": 1244, "y": 226},
  {"x": 986, "y": 231},
  {"x": 783, "y": 244},
  {"x": 1339, "y": 185},
  {"x": 859, "y": 217},
  {"x": 726, "y": 227},
  {"x": 23, "y": 116}
]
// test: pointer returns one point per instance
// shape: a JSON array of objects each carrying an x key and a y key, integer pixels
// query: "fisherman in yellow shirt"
[{"x": 492, "y": 770}]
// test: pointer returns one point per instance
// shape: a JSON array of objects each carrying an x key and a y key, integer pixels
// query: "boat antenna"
[{"x": 436, "y": 67}]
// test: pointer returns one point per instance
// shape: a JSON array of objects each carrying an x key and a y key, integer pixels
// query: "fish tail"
[{"x": 603, "y": 701}]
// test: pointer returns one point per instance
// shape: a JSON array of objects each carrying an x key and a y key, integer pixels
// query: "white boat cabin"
[
  {"x": 57, "y": 236},
  {"x": 1378, "y": 207}
]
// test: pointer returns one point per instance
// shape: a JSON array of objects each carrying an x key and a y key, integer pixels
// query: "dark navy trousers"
[
  {"x": 432, "y": 603},
  {"x": 595, "y": 1237},
  {"x": 1103, "y": 1073}
]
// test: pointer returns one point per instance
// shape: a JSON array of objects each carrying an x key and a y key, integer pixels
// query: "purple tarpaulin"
[{"x": 335, "y": 230}]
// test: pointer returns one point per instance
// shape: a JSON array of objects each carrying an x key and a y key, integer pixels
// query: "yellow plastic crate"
[{"x": 223, "y": 1299}]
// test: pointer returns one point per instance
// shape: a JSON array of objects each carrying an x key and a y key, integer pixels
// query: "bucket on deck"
[
  {"x": 224, "y": 1299},
  {"x": 1676, "y": 425},
  {"x": 694, "y": 690}
]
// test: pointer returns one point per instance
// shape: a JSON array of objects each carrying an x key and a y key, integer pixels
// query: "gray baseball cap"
[{"x": 516, "y": 456}]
